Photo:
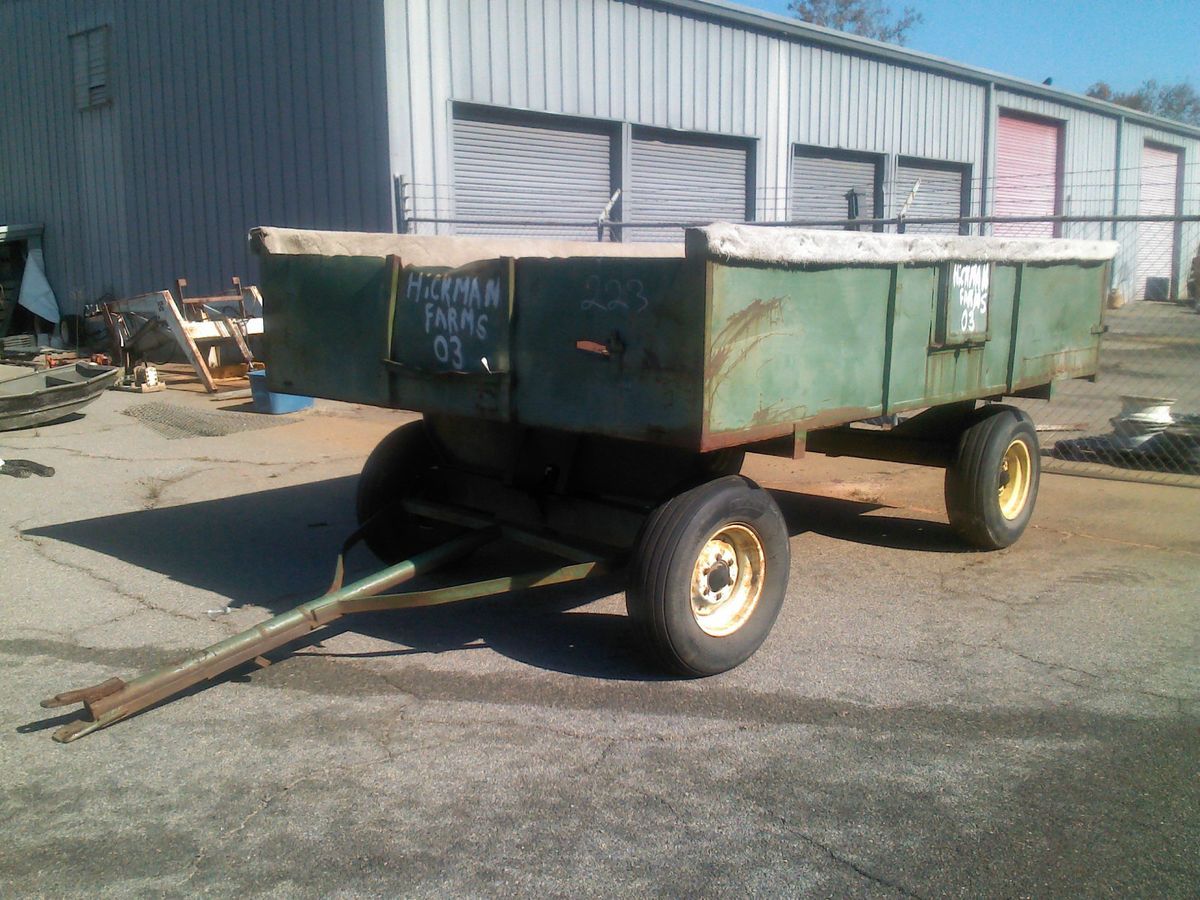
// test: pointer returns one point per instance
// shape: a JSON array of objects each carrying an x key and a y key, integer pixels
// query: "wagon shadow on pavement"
[
  {"x": 849, "y": 520},
  {"x": 276, "y": 548}
]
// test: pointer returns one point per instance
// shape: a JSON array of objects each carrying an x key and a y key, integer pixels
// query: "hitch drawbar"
[{"x": 116, "y": 699}]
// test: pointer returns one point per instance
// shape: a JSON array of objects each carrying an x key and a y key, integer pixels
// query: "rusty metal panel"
[
  {"x": 610, "y": 346},
  {"x": 788, "y": 345},
  {"x": 325, "y": 326},
  {"x": 691, "y": 353},
  {"x": 1058, "y": 315},
  {"x": 912, "y": 324}
]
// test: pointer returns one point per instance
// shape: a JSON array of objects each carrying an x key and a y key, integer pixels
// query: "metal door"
[
  {"x": 534, "y": 172},
  {"x": 1028, "y": 175},
  {"x": 1157, "y": 242},
  {"x": 830, "y": 185},
  {"x": 685, "y": 179},
  {"x": 930, "y": 191}
]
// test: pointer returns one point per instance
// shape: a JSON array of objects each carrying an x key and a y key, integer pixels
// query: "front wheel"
[
  {"x": 708, "y": 576},
  {"x": 992, "y": 481},
  {"x": 400, "y": 467}
]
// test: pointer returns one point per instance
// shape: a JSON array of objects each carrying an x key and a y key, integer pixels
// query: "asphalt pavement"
[{"x": 923, "y": 721}]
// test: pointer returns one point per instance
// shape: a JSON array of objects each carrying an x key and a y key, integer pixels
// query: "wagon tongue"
[{"x": 116, "y": 699}]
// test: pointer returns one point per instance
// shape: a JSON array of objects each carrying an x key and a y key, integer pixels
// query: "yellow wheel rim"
[
  {"x": 1016, "y": 474},
  {"x": 727, "y": 579}
]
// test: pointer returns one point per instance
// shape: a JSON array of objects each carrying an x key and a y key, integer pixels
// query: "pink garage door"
[
  {"x": 1159, "y": 173},
  {"x": 1027, "y": 175}
]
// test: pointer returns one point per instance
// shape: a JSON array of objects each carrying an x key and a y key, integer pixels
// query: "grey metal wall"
[
  {"x": 225, "y": 114},
  {"x": 56, "y": 163}
]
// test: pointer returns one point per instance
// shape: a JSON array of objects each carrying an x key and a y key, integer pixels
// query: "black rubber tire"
[
  {"x": 974, "y": 477},
  {"x": 400, "y": 466},
  {"x": 658, "y": 595}
]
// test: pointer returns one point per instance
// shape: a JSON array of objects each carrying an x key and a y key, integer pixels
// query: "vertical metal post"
[
  {"x": 987, "y": 160},
  {"x": 400, "y": 197},
  {"x": 1116, "y": 208}
]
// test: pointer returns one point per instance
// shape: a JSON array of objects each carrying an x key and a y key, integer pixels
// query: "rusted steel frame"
[
  {"x": 476, "y": 589},
  {"x": 550, "y": 543},
  {"x": 116, "y": 699},
  {"x": 883, "y": 445}
]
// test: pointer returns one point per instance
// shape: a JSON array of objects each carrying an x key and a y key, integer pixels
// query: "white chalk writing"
[
  {"x": 454, "y": 307},
  {"x": 612, "y": 295},
  {"x": 971, "y": 281}
]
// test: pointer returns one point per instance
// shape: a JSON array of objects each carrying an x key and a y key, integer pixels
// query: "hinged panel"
[
  {"x": 964, "y": 303},
  {"x": 452, "y": 321}
]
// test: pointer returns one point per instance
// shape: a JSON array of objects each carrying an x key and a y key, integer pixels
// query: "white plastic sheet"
[{"x": 36, "y": 294}]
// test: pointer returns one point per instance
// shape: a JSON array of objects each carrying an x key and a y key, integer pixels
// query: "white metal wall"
[
  {"x": 1134, "y": 137},
  {"x": 647, "y": 65}
]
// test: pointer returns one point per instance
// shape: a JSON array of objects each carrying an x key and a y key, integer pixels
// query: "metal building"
[{"x": 149, "y": 136}]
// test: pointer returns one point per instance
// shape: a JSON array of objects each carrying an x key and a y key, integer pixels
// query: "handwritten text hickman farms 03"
[{"x": 455, "y": 307}]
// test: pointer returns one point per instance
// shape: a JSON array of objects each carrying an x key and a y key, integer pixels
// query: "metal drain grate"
[{"x": 174, "y": 422}]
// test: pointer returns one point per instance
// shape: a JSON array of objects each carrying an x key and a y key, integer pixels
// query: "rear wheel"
[
  {"x": 403, "y": 465},
  {"x": 708, "y": 576},
  {"x": 992, "y": 481}
]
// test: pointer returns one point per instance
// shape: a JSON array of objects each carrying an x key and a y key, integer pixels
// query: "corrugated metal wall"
[
  {"x": 227, "y": 114},
  {"x": 1133, "y": 142},
  {"x": 60, "y": 166},
  {"x": 224, "y": 115},
  {"x": 648, "y": 65}
]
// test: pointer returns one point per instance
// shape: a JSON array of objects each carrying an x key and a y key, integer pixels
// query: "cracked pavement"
[{"x": 923, "y": 721}]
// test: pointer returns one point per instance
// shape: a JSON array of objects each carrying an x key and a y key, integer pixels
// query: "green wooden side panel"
[
  {"x": 325, "y": 326},
  {"x": 1060, "y": 308},
  {"x": 916, "y": 298},
  {"x": 610, "y": 346},
  {"x": 788, "y": 344}
]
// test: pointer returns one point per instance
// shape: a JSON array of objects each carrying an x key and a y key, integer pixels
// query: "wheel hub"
[
  {"x": 727, "y": 579},
  {"x": 1014, "y": 479}
]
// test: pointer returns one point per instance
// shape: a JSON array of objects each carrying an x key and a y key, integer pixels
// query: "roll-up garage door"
[
  {"x": 936, "y": 193},
  {"x": 822, "y": 181},
  {"x": 1159, "y": 196},
  {"x": 1027, "y": 175},
  {"x": 685, "y": 179},
  {"x": 530, "y": 171}
]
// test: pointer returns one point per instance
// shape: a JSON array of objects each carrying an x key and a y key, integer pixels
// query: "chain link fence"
[{"x": 1140, "y": 418}]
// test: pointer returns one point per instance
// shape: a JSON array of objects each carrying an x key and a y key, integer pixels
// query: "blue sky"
[{"x": 1075, "y": 43}]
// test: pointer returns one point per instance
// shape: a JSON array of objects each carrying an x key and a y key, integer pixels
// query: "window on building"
[{"x": 89, "y": 56}]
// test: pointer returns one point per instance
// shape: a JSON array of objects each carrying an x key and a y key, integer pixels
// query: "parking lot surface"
[{"x": 923, "y": 720}]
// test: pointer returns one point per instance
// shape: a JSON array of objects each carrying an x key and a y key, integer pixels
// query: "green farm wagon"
[{"x": 596, "y": 400}]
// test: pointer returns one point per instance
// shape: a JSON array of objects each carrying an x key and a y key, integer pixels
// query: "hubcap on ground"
[
  {"x": 1016, "y": 471},
  {"x": 727, "y": 580}
]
